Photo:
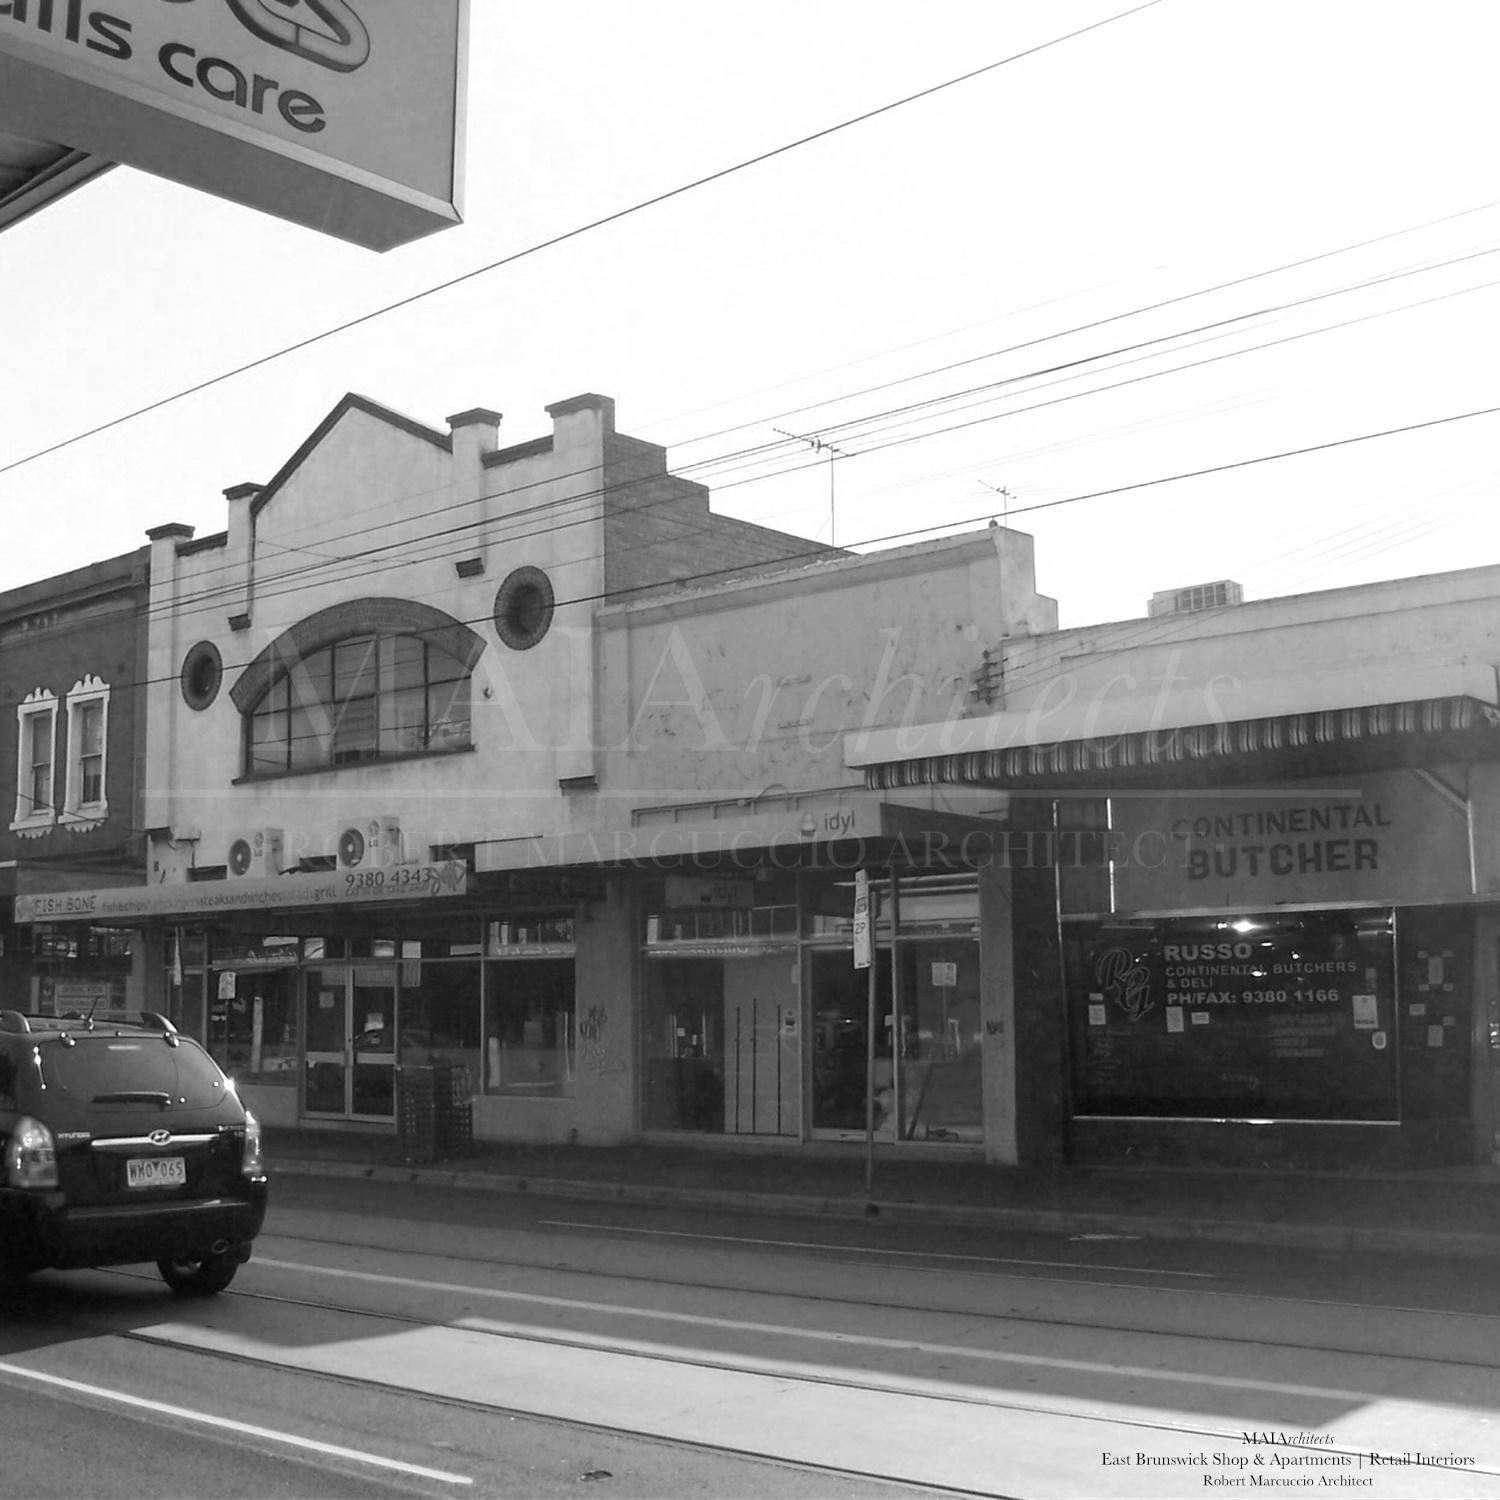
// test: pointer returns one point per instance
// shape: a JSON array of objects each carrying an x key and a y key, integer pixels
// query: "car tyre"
[{"x": 199, "y": 1277}]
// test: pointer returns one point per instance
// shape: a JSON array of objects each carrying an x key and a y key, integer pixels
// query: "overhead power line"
[
  {"x": 1239, "y": 463},
  {"x": 1150, "y": 307},
  {"x": 575, "y": 233},
  {"x": 554, "y": 515},
  {"x": 1156, "y": 344},
  {"x": 813, "y": 552}
]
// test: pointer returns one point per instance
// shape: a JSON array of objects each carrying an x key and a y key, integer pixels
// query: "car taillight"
[
  {"x": 30, "y": 1155},
  {"x": 253, "y": 1162}
]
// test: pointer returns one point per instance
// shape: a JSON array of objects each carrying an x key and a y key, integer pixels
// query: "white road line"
[
  {"x": 243, "y": 1429},
  {"x": 784, "y": 1330},
  {"x": 986, "y": 1260}
]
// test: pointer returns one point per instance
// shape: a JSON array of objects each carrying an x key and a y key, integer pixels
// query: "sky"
[{"x": 1055, "y": 294}]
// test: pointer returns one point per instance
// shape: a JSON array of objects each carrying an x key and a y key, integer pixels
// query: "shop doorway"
[
  {"x": 927, "y": 1080},
  {"x": 349, "y": 1022},
  {"x": 840, "y": 1050}
]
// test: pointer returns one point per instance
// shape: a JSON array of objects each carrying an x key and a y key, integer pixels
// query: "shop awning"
[
  {"x": 197, "y": 900},
  {"x": 752, "y": 828},
  {"x": 1300, "y": 725}
]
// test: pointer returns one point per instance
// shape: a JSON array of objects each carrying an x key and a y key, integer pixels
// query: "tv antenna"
[
  {"x": 1005, "y": 495},
  {"x": 818, "y": 445}
]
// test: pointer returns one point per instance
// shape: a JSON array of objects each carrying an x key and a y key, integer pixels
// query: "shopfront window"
[
  {"x": 940, "y": 1090},
  {"x": 530, "y": 1028},
  {"x": 722, "y": 1033},
  {"x": 253, "y": 1023},
  {"x": 493, "y": 997},
  {"x": 530, "y": 1006},
  {"x": 1238, "y": 1015},
  {"x": 80, "y": 970},
  {"x": 440, "y": 1009}
]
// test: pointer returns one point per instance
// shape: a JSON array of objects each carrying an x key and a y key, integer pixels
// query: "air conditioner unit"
[
  {"x": 256, "y": 855},
  {"x": 374, "y": 843}
]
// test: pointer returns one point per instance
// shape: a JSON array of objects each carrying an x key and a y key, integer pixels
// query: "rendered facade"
[
  {"x": 655, "y": 824},
  {"x": 1256, "y": 874},
  {"x": 519, "y": 758}
]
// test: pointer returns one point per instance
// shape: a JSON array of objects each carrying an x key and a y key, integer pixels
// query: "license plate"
[{"x": 155, "y": 1171}]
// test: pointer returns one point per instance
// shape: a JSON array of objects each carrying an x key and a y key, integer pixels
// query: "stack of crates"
[
  {"x": 454, "y": 1096},
  {"x": 417, "y": 1100},
  {"x": 436, "y": 1111}
]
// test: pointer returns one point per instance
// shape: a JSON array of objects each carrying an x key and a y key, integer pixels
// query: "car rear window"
[{"x": 130, "y": 1069}]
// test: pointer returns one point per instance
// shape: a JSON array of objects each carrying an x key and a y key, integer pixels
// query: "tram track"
[
  {"x": 484, "y": 1409},
  {"x": 1481, "y": 1329},
  {"x": 377, "y": 1325},
  {"x": 814, "y": 1374}
]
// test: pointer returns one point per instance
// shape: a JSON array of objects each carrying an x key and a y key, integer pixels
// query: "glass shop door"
[{"x": 349, "y": 1022}]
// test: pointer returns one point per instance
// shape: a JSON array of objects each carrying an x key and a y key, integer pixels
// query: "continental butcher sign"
[{"x": 1388, "y": 838}]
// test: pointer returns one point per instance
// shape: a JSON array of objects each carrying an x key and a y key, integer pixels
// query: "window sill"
[
  {"x": 345, "y": 767},
  {"x": 31, "y": 827},
  {"x": 89, "y": 815}
]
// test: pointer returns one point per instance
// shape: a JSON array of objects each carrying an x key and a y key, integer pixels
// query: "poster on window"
[{"x": 1240, "y": 1016}]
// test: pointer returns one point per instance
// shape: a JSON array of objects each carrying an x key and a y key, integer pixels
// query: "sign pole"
[
  {"x": 870, "y": 1087},
  {"x": 864, "y": 959}
]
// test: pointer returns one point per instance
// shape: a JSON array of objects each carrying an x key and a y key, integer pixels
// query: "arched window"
[{"x": 368, "y": 697}]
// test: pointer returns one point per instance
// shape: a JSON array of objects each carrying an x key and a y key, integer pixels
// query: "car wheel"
[{"x": 199, "y": 1278}]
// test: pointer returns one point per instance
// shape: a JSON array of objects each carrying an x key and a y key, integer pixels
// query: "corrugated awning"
[
  {"x": 1445, "y": 724},
  {"x": 1016, "y": 750}
]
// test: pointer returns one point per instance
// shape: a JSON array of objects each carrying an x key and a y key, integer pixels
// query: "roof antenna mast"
[{"x": 817, "y": 445}]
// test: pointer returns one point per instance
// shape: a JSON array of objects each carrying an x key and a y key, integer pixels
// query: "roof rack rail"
[
  {"x": 158, "y": 1022},
  {"x": 13, "y": 1020}
]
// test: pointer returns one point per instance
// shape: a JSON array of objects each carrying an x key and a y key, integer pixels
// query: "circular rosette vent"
[
  {"x": 523, "y": 608},
  {"x": 202, "y": 674}
]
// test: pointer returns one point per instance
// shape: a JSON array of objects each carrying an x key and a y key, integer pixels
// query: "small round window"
[
  {"x": 523, "y": 608},
  {"x": 202, "y": 673}
]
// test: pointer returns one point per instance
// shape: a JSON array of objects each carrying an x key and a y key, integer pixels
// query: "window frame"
[
  {"x": 306, "y": 691},
  {"x": 38, "y": 704},
  {"x": 86, "y": 693}
]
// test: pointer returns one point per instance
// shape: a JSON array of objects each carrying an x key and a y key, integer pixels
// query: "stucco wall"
[
  {"x": 374, "y": 510},
  {"x": 716, "y": 688},
  {"x": 1442, "y": 619},
  {"x": 752, "y": 685}
]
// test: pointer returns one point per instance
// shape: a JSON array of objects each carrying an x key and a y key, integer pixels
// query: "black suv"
[{"x": 122, "y": 1142}]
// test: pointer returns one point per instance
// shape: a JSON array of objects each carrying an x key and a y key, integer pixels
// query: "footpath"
[{"x": 1446, "y": 1212}]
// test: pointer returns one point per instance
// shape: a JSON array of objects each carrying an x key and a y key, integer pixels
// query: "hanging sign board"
[
  {"x": 695, "y": 890},
  {"x": 342, "y": 115},
  {"x": 205, "y": 897},
  {"x": 1379, "y": 838},
  {"x": 862, "y": 945}
]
